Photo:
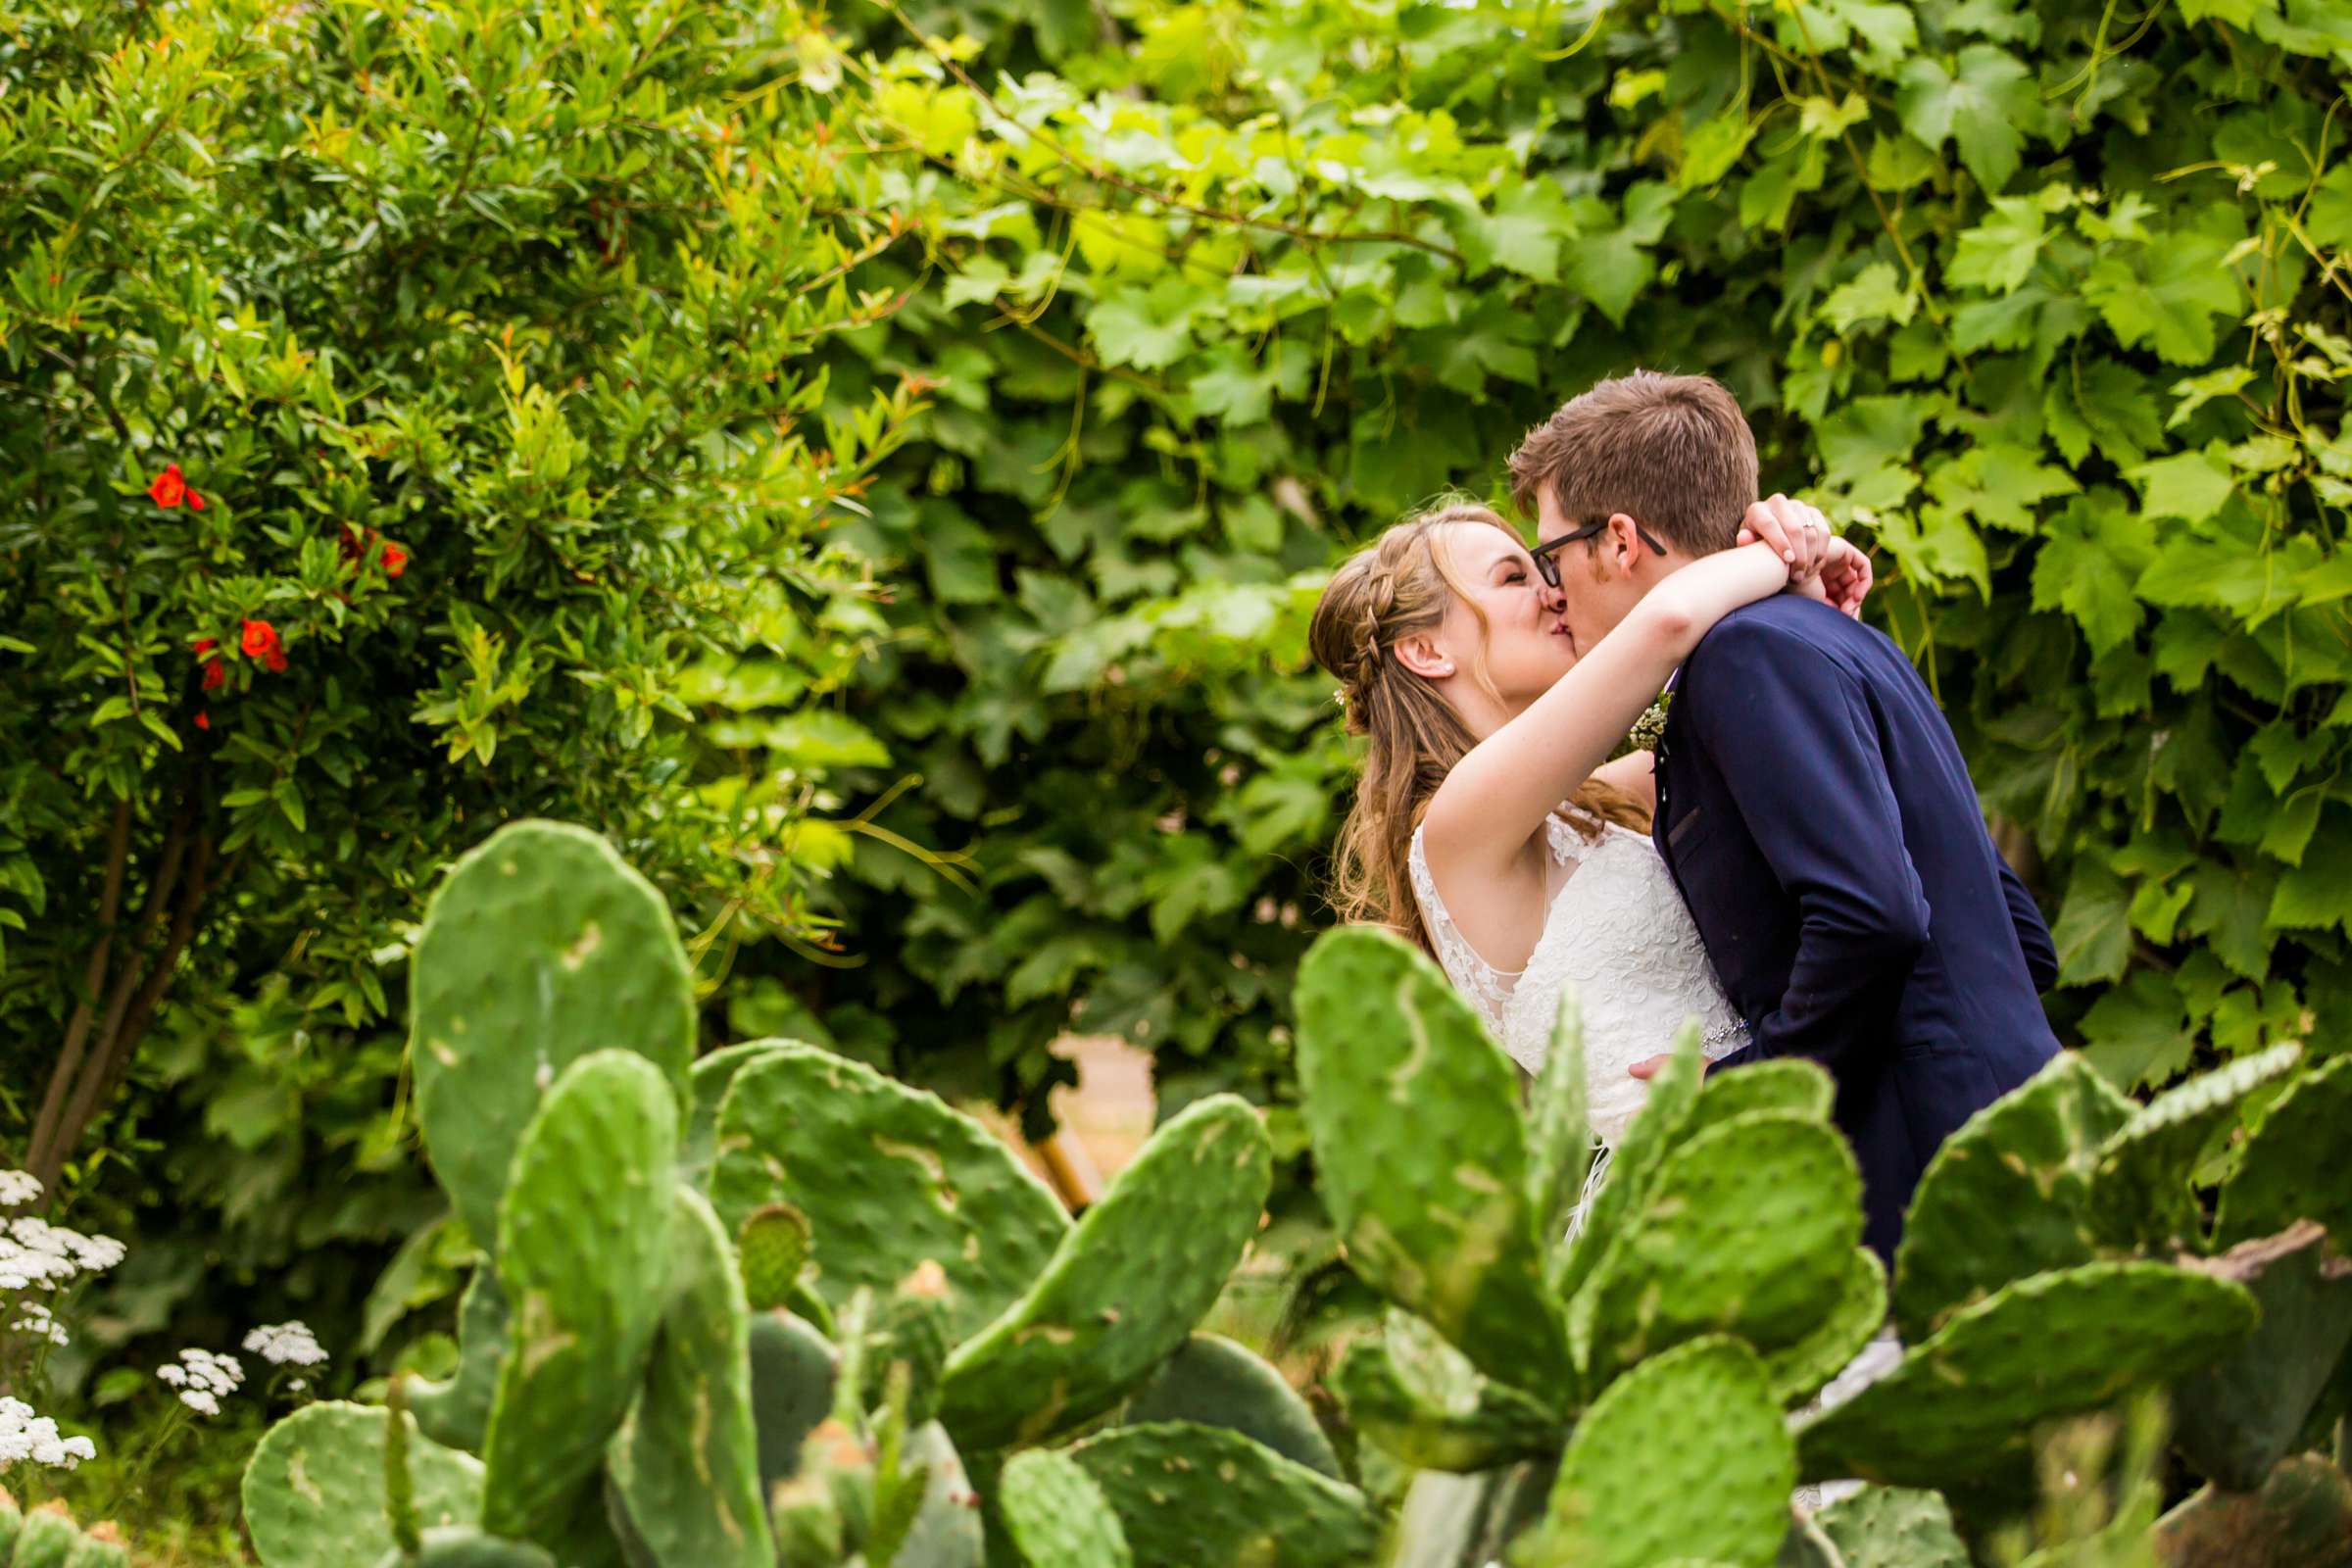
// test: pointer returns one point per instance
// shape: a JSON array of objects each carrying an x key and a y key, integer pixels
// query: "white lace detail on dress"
[
  {"x": 1616, "y": 931},
  {"x": 1622, "y": 937}
]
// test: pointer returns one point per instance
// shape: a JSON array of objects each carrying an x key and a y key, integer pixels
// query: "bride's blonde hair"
[{"x": 1404, "y": 582}]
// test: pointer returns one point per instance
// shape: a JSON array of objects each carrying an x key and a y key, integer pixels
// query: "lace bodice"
[{"x": 1617, "y": 931}]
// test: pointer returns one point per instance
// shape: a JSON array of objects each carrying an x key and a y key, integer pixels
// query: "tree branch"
[{"x": 93, "y": 981}]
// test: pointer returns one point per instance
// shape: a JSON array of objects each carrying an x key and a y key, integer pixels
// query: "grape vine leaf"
[{"x": 1980, "y": 102}]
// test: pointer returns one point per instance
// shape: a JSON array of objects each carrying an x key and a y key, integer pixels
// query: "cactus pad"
[
  {"x": 1672, "y": 1098},
  {"x": 1216, "y": 1382},
  {"x": 1126, "y": 1285},
  {"x": 1749, "y": 1228},
  {"x": 793, "y": 1368},
  {"x": 1187, "y": 1496},
  {"x": 1685, "y": 1456},
  {"x": 2007, "y": 1195},
  {"x": 707, "y": 1083},
  {"x": 1559, "y": 1128},
  {"x": 1891, "y": 1527},
  {"x": 1422, "y": 1402},
  {"x": 466, "y": 1547},
  {"x": 2139, "y": 1193},
  {"x": 1791, "y": 1084},
  {"x": 888, "y": 1178},
  {"x": 313, "y": 1490},
  {"x": 456, "y": 1412},
  {"x": 1964, "y": 1404},
  {"x": 772, "y": 1245},
  {"x": 2293, "y": 1167},
  {"x": 947, "y": 1532},
  {"x": 2241, "y": 1414},
  {"x": 100, "y": 1547},
  {"x": 686, "y": 1461},
  {"x": 1055, "y": 1514},
  {"x": 584, "y": 1245},
  {"x": 1420, "y": 1151},
  {"x": 1798, "y": 1371},
  {"x": 46, "y": 1537},
  {"x": 542, "y": 946}
]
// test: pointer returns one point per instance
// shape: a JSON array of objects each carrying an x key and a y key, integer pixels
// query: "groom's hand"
[{"x": 1647, "y": 1070}]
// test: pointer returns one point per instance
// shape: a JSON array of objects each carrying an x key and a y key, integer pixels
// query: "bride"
[{"x": 1489, "y": 823}]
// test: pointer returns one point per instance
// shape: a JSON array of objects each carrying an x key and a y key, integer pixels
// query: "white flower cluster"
[
  {"x": 34, "y": 1319},
  {"x": 26, "y": 1435},
  {"x": 18, "y": 1188},
  {"x": 286, "y": 1345},
  {"x": 201, "y": 1377},
  {"x": 37, "y": 1253}
]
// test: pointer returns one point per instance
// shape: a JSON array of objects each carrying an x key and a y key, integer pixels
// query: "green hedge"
[{"x": 2047, "y": 302}]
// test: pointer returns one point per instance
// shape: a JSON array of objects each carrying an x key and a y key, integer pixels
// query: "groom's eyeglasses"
[{"x": 1550, "y": 568}]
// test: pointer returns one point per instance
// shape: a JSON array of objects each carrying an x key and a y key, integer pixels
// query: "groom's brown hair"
[{"x": 1672, "y": 452}]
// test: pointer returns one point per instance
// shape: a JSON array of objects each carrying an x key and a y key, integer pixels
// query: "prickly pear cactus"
[
  {"x": 585, "y": 1239},
  {"x": 1421, "y": 1400},
  {"x": 709, "y": 1081},
  {"x": 1189, "y": 1495},
  {"x": 1684, "y": 1456},
  {"x": 543, "y": 945},
  {"x": 947, "y": 1531},
  {"x": 772, "y": 1245},
  {"x": 1125, "y": 1286},
  {"x": 1214, "y": 1382},
  {"x": 2140, "y": 1194},
  {"x": 1964, "y": 1404},
  {"x": 466, "y": 1547},
  {"x": 2293, "y": 1167},
  {"x": 1421, "y": 1152},
  {"x": 1890, "y": 1527},
  {"x": 685, "y": 1462},
  {"x": 1794, "y": 1086},
  {"x": 792, "y": 1373},
  {"x": 2007, "y": 1197},
  {"x": 1055, "y": 1514},
  {"x": 2237, "y": 1416},
  {"x": 1560, "y": 1127},
  {"x": 1719, "y": 1246},
  {"x": 1800, "y": 1370},
  {"x": 888, "y": 1177},
  {"x": 46, "y": 1537},
  {"x": 456, "y": 1412},
  {"x": 313, "y": 1490},
  {"x": 1633, "y": 1163},
  {"x": 100, "y": 1547}
]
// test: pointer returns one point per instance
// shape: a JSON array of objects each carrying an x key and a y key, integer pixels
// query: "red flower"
[
  {"x": 203, "y": 645},
  {"x": 195, "y": 502},
  {"x": 278, "y": 661},
  {"x": 395, "y": 559},
  {"x": 215, "y": 674},
  {"x": 204, "y": 720},
  {"x": 169, "y": 488},
  {"x": 258, "y": 639}
]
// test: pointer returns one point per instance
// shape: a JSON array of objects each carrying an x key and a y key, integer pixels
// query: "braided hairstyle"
[{"x": 1402, "y": 583}]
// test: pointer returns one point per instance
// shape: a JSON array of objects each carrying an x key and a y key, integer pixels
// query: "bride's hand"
[
  {"x": 1797, "y": 532},
  {"x": 1846, "y": 578}
]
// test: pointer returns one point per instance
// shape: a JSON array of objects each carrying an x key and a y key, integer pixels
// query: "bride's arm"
[{"x": 1498, "y": 795}]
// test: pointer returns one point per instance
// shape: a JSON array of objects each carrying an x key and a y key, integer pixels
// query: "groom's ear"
[
  {"x": 1417, "y": 653},
  {"x": 1621, "y": 545}
]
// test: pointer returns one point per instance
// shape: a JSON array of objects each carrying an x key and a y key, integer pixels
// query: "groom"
[{"x": 1811, "y": 802}]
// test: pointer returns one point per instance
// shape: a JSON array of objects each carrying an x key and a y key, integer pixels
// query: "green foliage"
[{"x": 1214, "y": 291}]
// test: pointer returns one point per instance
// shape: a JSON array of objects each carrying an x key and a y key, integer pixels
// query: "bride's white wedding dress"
[{"x": 1617, "y": 931}]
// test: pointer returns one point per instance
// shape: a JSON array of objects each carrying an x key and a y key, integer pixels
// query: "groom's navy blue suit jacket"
[{"x": 1821, "y": 825}]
